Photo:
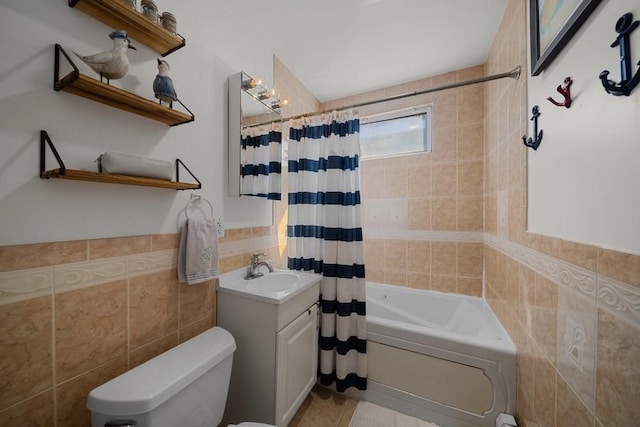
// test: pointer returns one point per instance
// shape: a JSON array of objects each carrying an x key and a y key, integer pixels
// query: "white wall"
[
  {"x": 584, "y": 179},
  {"x": 35, "y": 210}
]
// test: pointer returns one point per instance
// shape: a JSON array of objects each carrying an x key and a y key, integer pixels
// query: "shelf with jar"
[{"x": 158, "y": 32}]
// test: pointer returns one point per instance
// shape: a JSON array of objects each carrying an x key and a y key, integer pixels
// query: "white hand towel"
[{"x": 198, "y": 251}]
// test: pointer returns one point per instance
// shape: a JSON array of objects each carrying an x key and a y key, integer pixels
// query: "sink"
[
  {"x": 278, "y": 281},
  {"x": 276, "y": 287}
]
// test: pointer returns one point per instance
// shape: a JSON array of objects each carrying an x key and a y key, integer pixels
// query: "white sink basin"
[
  {"x": 278, "y": 281},
  {"x": 276, "y": 287}
]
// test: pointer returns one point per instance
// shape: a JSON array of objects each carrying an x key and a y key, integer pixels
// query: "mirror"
[{"x": 253, "y": 119}]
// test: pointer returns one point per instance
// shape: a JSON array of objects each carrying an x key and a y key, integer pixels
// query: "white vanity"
[{"x": 274, "y": 320}]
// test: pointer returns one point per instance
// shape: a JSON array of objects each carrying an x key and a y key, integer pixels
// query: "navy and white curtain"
[
  {"x": 325, "y": 236},
  {"x": 261, "y": 161}
]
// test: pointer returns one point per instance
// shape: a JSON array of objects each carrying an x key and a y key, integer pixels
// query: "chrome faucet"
[{"x": 255, "y": 266}]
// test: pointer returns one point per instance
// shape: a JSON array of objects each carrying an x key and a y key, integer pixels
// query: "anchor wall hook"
[
  {"x": 535, "y": 111},
  {"x": 565, "y": 90},
  {"x": 624, "y": 27}
]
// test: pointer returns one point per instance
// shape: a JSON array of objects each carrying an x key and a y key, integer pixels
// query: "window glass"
[{"x": 396, "y": 133}]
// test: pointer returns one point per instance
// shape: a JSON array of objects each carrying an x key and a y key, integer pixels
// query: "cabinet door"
[{"x": 297, "y": 363}]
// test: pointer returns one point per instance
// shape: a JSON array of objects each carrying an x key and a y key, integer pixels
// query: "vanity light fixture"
[
  {"x": 250, "y": 83},
  {"x": 265, "y": 94},
  {"x": 254, "y": 88},
  {"x": 279, "y": 103}
]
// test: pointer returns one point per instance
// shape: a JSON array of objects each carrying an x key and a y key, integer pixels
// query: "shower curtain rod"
[{"x": 514, "y": 74}]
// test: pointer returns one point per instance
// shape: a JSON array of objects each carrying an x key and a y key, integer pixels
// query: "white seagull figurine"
[
  {"x": 111, "y": 64},
  {"x": 163, "y": 85}
]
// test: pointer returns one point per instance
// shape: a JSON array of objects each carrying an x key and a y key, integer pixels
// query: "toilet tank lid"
[{"x": 147, "y": 386}]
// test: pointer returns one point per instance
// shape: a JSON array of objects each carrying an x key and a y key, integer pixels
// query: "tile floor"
[
  {"x": 326, "y": 408},
  {"x": 369, "y": 415}
]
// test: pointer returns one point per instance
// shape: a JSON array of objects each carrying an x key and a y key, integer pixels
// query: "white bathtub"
[{"x": 440, "y": 357}]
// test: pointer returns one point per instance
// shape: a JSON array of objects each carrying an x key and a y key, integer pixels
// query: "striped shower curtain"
[
  {"x": 325, "y": 236},
  {"x": 261, "y": 161}
]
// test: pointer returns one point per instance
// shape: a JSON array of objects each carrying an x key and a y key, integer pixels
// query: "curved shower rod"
[{"x": 514, "y": 74}]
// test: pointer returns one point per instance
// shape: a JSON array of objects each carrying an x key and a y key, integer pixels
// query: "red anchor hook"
[{"x": 565, "y": 90}]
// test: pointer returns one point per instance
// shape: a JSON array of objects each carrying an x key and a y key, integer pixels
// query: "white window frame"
[{"x": 398, "y": 114}]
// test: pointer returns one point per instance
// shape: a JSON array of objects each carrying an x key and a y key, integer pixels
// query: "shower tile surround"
[
  {"x": 436, "y": 221},
  {"x": 423, "y": 212}
]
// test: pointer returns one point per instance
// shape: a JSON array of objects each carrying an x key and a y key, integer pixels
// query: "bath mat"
[{"x": 369, "y": 415}]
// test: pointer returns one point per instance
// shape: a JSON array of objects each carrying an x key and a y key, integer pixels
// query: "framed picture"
[{"x": 552, "y": 24}]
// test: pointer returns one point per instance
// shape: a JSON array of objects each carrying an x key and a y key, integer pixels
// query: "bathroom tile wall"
[
  {"x": 289, "y": 87},
  {"x": 423, "y": 218},
  {"x": 572, "y": 309},
  {"x": 76, "y": 314}
]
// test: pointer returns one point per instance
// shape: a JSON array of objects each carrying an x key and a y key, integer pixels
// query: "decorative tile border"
[
  {"x": 69, "y": 277},
  {"x": 619, "y": 299},
  {"x": 573, "y": 277},
  {"x": 236, "y": 247},
  {"x": 22, "y": 285},
  {"x": 19, "y": 285},
  {"x": 152, "y": 262},
  {"x": 438, "y": 236}
]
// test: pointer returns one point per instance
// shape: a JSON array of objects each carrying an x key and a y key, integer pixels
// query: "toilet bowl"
[{"x": 185, "y": 386}]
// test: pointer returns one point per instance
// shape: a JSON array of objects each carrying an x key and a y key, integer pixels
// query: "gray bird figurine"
[
  {"x": 111, "y": 64},
  {"x": 163, "y": 85}
]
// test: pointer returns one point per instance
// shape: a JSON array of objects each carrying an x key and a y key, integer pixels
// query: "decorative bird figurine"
[
  {"x": 111, "y": 64},
  {"x": 163, "y": 85}
]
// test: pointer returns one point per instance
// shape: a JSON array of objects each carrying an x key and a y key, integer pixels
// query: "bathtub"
[{"x": 439, "y": 357}]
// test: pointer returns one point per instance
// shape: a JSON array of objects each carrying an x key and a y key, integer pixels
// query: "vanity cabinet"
[
  {"x": 276, "y": 360},
  {"x": 296, "y": 363}
]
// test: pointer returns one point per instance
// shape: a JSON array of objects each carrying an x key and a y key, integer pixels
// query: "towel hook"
[
  {"x": 565, "y": 90},
  {"x": 195, "y": 198},
  {"x": 624, "y": 28},
  {"x": 534, "y": 143}
]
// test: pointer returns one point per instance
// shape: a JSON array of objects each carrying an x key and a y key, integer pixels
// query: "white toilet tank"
[{"x": 185, "y": 386}]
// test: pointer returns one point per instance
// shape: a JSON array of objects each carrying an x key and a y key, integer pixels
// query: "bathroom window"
[{"x": 396, "y": 133}]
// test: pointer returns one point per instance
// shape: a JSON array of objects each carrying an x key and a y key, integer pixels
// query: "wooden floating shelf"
[
  {"x": 119, "y": 16},
  {"x": 87, "y": 87},
  {"x": 79, "y": 175}
]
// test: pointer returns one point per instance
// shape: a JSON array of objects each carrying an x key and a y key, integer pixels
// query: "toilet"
[{"x": 185, "y": 386}]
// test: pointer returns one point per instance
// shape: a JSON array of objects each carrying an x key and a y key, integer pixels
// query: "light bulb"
[
  {"x": 251, "y": 83},
  {"x": 265, "y": 94},
  {"x": 279, "y": 103}
]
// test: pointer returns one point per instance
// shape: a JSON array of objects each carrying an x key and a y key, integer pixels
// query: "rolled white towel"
[{"x": 129, "y": 164}]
